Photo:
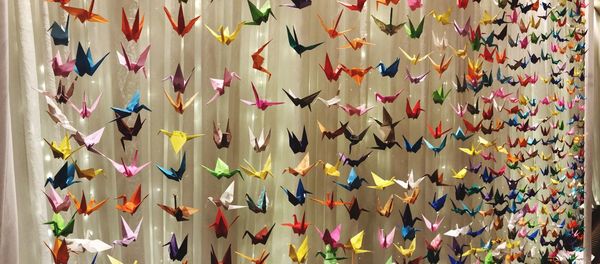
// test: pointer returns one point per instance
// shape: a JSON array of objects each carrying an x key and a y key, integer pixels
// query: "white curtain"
[{"x": 28, "y": 160}]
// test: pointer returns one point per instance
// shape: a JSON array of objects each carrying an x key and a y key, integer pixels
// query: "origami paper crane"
[
  {"x": 64, "y": 178},
  {"x": 260, "y": 15},
  {"x": 222, "y": 170},
  {"x": 134, "y": 202},
  {"x": 226, "y": 199},
  {"x": 60, "y": 34},
  {"x": 219, "y": 84},
  {"x": 180, "y": 27},
  {"x": 332, "y": 32},
  {"x": 85, "y": 14},
  {"x": 131, "y": 169},
  {"x": 59, "y": 227},
  {"x": 223, "y": 35},
  {"x": 60, "y": 68},
  {"x": 262, "y": 174},
  {"x": 261, "y": 104},
  {"x": 178, "y": 138},
  {"x": 128, "y": 236},
  {"x": 134, "y": 66},
  {"x": 84, "y": 207},
  {"x": 57, "y": 203},
  {"x": 59, "y": 251},
  {"x": 134, "y": 31},
  {"x": 84, "y": 63},
  {"x": 221, "y": 225},
  {"x": 177, "y": 252},
  {"x": 181, "y": 213},
  {"x": 171, "y": 173}
]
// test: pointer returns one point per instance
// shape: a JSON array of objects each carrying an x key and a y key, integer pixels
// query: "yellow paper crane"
[
  {"x": 461, "y": 53},
  {"x": 178, "y": 138},
  {"x": 459, "y": 174},
  {"x": 116, "y": 261},
  {"x": 261, "y": 174},
  {"x": 303, "y": 168},
  {"x": 470, "y": 151},
  {"x": 356, "y": 243},
  {"x": 443, "y": 18},
  {"x": 62, "y": 150},
  {"x": 407, "y": 252},
  {"x": 224, "y": 36},
  {"x": 442, "y": 66},
  {"x": 299, "y": 255},
  {"x": 486, "y": 143},
  {"x": 487, "y": 18},
  {"x": 380, "y": 183},
  {"x": 473, "y": 250},
  {"x": 414, "y": 59},
  {"x": 332, "y": 170}
]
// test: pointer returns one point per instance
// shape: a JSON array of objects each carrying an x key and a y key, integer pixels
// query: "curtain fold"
[{"x": 9, "y": 220}]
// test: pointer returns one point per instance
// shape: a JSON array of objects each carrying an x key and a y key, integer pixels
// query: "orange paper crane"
[
  {"x": 443, "y": 66},
  {"x": 262, "y": 259},
  {"x": 60, "y": 253},
  {"x": 84, "y": 207},
  {"x": 258, "y": 60},
  {"x": 221, "y": 225},
  {"x": 330, "y": 201},
  {"x": 133, "y": 204},
  {"x": 332, "y": 31},
  {"x": 180, "y": 27},
  {"x": 357, "y": 74},
  {"x": 85, "y": 14},
  {"x": 178, "y": 104},
  {"x": 181, "y": 213},
  {"x": 386, "y": 209},
  {"x": 134, "y": 31},
  {"x": 355, "y": 43}
]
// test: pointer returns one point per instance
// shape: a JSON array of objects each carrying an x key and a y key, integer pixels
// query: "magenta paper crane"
[
  {"x": 62, "y": 69},
  {"x": 259, "y": 103}
]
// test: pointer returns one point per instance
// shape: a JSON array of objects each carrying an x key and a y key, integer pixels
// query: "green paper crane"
[
  {"x": 295, "y": 44},
  {"x": 222, "y": 170},
  {"x": 59, "y": 228},
  {"x": 329, "y": 255},
  {"x": 261, "y": 15},
  {"x": 413, "y": 32},
  {"x": 439, "y": 96}
]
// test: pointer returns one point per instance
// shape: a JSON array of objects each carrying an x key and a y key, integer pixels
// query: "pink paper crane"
[
  {"x": 86, "y": 111},
  {"x": 386, "y": 241},
  {"x": 134, "y": 66},
  {"x": 128, "y": 235},
  {"x": 90, "y": 140},
  {"x": 356, "y": 110},
  {"x": 57, "y": 203},
  {"x": 129, "y": 170},
  {"x": 261, "y": 104},
  {"x": 219, "y": 84}
]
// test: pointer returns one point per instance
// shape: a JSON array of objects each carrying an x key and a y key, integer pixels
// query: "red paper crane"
[
  {"x": 134, "y": 31},
  {"x": 261, "y": 236},
  {"x": 438, "y": 132},
  {"x": 330, "y": 73},
  {"x": 413, "y": 112},
  {"x": 221, "y": 226},
  {"x": 180, "y": 27},
  {"x": 298, "y": 227}
]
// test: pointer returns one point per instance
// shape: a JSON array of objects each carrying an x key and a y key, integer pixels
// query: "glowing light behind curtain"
[{"x": 201, "y": 51}]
